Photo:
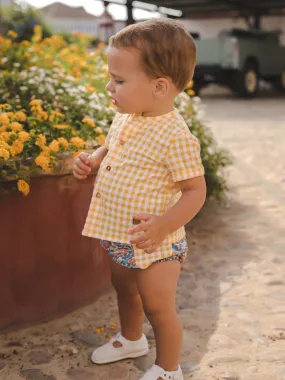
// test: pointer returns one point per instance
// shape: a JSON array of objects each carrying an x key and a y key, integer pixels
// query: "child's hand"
[
  {"x": 152, "y": 232},
  {"x": 82, "y": 166}
]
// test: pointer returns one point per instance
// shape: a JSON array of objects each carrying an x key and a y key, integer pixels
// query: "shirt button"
[
  {"x": 98, "y": 195},
  {"x": 108, "y": 168},
  {"x": 122, "y": 142}
]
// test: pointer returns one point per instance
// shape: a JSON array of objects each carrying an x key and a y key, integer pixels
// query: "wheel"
[
  {"x": 280, "y": 82},
  {"x": 247, "y": 81}
]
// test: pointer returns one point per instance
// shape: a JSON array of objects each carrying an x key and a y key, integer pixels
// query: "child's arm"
[
  {"x": 157, "y": 227},
  {"x": 192, "y": 199}
]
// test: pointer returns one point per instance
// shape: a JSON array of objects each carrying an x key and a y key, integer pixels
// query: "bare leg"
[
  {"x": 129, "y": 302},
  {"x": 157, "y": 286}
]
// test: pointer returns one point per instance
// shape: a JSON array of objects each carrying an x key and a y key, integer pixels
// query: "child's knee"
[{"x": 158, "y": 311}]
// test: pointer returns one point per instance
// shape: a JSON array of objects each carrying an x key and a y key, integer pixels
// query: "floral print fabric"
[{"x": 124, "y": 254}]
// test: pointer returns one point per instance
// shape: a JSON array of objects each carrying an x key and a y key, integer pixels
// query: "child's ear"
[{"x": 162, "y": 87}]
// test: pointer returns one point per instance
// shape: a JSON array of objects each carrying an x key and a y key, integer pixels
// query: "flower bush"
[
  {"x": 52, "y": 101},
  {"x": 53, "y": 104}
]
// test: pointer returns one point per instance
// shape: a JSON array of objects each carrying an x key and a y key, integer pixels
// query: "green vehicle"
[{"x": 238, "y": 59}]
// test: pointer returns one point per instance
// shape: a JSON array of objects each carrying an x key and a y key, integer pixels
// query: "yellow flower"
[
  {"x": 190, "y": 84},
  {"x": 101, "y": 45},
  {"x": 21, "y": 116},
  {"x": 24, "y": 136},
  {"x": 190, "y": 92},
  {"x": 6, "y": 44},
  {"x": 41, "y": 141},
  {"x": 63, "y": 142},
  {"x": 88, "y": 121},
  {"x": 64, "y": 52},
  {"x": 42, "y": 115},
  {"x": 12, "y": 34},
  {"x": 4, "y": 106},
  {"x": 23, "y": 187},
  {"x": 75, "y": 72},
  {"x": 17, "y": 147},
  {"x": 43, "y": 162},
  {"x": 4, "y": 145},
  {"x": 83, "y": 64},
  {"x": 16, "y": 127},
  {"x": 99, "y": 130},
  {"x": 35, "y": 102},
  {"x": 25, "y": 43},
  {"x": 54, "y": 115},
  {"x": 61, "y": 126},
  {"x": 54, "y": 146},
  {"x": 4, "y": 153},
  {"x": 2, "y": 129},
  {"x": 78, "y": 142},
  {"x": 4, "y": 119},
  {"x": 73, "y": 48},
  {"x": 38, "y": 33},
  {"x": 101, "y": 139},
  {"x": 45, "y": 152},
  {"x": 5, "y": 136},
  {"x": 90, "y": 88}
]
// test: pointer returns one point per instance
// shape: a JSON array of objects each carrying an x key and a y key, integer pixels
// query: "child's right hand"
[{"x": 82, "y": 166}]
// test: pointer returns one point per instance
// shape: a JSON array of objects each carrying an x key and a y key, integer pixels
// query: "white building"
[
  {"x": 63, "y": 18},
  {"x": 6, "y": 3}
]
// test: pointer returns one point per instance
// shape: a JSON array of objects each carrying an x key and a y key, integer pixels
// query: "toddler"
[{"x": 150, "y": 183}]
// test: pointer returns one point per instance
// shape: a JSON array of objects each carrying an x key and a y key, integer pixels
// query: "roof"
[
  {"x": 195, "y": 8},
  {"x": 59, "y": 10}
]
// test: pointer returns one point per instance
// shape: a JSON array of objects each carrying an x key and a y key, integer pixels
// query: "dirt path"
[{"x": 231, "y": 295}]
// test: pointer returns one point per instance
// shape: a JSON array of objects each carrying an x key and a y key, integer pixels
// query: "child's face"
[{"x": 129, "y": 87}]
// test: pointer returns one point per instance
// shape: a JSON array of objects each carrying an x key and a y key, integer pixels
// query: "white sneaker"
[
  {"x": 157, "y": 372},
  {"x": 129, "y": 350}
]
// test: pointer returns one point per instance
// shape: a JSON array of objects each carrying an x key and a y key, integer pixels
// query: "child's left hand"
[{"x": 153, "y": 232}]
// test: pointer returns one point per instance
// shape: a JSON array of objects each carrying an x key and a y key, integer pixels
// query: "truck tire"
[
  {"x": 247, "y": 81},
  {"x": 280, "y": 82}
]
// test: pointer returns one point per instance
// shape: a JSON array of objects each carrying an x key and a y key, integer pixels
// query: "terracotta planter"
[{"x": 47, "y": 267}]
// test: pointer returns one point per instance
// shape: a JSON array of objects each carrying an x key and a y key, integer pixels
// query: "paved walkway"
[{"x": 231, "y": 295}]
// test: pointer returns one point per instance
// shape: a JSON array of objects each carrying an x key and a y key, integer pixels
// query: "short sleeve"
[{"x": 183, "y": 158}]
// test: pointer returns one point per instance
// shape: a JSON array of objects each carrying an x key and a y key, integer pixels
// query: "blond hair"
[{"x": 167, "y": 49}]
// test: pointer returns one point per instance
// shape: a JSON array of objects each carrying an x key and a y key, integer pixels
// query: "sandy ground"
[{"x": 231, "y": 295}]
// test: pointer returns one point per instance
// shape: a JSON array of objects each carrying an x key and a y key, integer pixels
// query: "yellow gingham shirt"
[{"x": 146, "y": 158}]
